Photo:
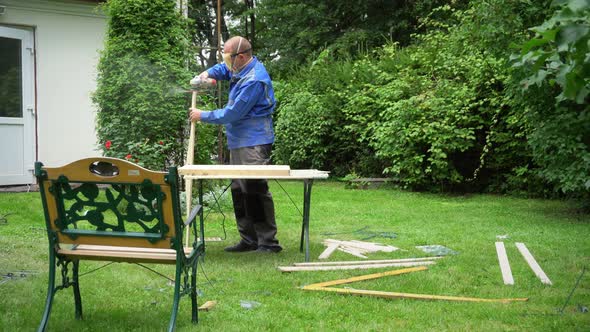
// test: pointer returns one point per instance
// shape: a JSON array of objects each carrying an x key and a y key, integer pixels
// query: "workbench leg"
[
  {"x": 202, "y": 217},
  {"x": 305, "y": 225},
  {"x": 193, "y": 292}
]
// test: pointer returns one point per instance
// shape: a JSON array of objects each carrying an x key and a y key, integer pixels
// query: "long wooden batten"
[{"x": 249, "y": 172}]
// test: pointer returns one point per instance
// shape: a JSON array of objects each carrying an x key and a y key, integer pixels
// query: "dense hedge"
[
  {"x": 445, "y": 113},
  {"x": 142, "y": 111}
]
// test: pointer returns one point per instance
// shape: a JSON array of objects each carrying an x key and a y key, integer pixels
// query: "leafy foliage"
[
  {"x": 293, "y": 31},
  {"x": 438, "y": 114},
  {"x": 311, "y": 126},
  {"x": 142, "y": 111},
  {"x": 559, "y": 53},
  {"x": 557, "y": 60}
]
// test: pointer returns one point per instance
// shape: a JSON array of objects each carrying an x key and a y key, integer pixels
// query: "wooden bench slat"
[
  {"x": 187, "y": 250},
  {"x": 127, "y": 254}
]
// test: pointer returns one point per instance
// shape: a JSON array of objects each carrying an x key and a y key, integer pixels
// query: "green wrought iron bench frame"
[{"x": 87, "y": 190}]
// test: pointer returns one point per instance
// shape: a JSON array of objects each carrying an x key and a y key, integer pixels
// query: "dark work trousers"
[{"x": 253, "y": 204}]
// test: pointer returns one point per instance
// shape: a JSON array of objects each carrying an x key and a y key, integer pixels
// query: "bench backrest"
[{"x": 108, "y": 201}]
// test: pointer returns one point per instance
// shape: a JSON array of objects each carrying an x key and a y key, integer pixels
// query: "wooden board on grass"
[
  {"x": 351, "y": 267},
  {"x": 504, "y": 264},
  {"x": 375, "y": 261},
  {"x": 533, "y": 263}
]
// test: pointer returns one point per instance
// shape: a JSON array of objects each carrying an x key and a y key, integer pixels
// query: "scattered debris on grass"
[
  {"x": 354, "y": 247},
  {"x": 7, "y": 276},
  {"x": 246, "y": 304},
  {"x": 437, "y": 250},
  {"x": 208, "y": 306},
  {"x": 4, "y": 219}
]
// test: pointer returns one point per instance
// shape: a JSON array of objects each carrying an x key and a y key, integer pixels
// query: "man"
[{"x": 249, "y": 128}]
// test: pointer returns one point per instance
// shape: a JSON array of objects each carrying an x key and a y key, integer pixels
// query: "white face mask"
[{"x": 227, "y": 60}]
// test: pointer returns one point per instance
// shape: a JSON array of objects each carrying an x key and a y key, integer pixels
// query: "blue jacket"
[{"x": 248, "y": 114}]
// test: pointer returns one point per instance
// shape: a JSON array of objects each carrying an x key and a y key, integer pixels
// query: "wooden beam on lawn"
[
  {"x": 208, "y": 305},
  {"x": 369, "y": 246},
  {"x": 366, "y": 277},
  {"x": 394, "y": 295},
  {"x": 329, "y": 250},
  {"x": 376, "y": 261},
  {"x": 533, "y": 263},
  {"x": 504, "y": 264},
  {"x": 352, "y": 251},
  {"x": 351, "y": 267}
]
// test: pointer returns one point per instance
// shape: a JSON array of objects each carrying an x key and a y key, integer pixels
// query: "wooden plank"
[
  {"x": 208, "y": 306},
  {"x": 355, "y": 249},
  {"x": 294, "y": 174},
  {"x": 309, "y": 174},
  {"x": 504, "y": 264},
  {"x": 351, "y": 251},
  {"x": 376, "y": 261},
  {"x": 351, "y": 267},
  {"x": 366, "y": 277},
  {"x": 119, "y": 256},
  {"x": 136, "y": 254},
  {"x": 395, "y": 295},
  {"x": 187, "y": 250},
  {"x": 375, "y": 246},
  {"x": 114, "y": 241},
  {"x": 234, "y": 170},
  {"x": 329, "y": 250},
  {"x": 369, "y": 246},
  {"x": 528, "y": 257}
]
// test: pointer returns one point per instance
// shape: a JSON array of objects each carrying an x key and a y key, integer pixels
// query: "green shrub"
[
  {"x": 311, "y": 124},
  {"x": 557, "y": 62},
  {"x": 436, "y": 115},
  {"x": 142, "y": 111}
]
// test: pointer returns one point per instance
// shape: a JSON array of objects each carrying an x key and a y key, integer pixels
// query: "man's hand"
[
  {"x": 195, "y": 114},
  {"x": 204, "y": 75}
]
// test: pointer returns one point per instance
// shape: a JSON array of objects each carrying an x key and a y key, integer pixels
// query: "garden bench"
[{"x": 112, "y": 210}]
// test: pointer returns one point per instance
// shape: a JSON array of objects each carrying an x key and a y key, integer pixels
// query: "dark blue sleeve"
[{"x": 244, "y": 102}]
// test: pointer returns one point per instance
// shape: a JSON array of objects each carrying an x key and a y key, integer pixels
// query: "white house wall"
[{"x": 68, "y": 37}]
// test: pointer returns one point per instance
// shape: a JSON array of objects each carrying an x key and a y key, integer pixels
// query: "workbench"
[{"x": 202, "y": 173}]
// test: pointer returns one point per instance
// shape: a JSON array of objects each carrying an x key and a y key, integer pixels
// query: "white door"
[{"x": 17, "y": 108}]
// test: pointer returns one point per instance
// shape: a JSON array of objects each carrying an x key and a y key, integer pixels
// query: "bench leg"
[
  {"x": 177, "y": 281},
  {"x": 50, "y": 292},
  {"x": 76, "y": 286},
  {"x": 194, "y": 307}
]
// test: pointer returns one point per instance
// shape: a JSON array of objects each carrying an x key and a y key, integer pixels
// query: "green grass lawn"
[{"x": 125, "y": 297}]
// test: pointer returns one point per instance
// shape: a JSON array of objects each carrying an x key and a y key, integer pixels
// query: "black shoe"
[
  {"x": 241, "y": 247},
  {"x": 269, "y": 249}
]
